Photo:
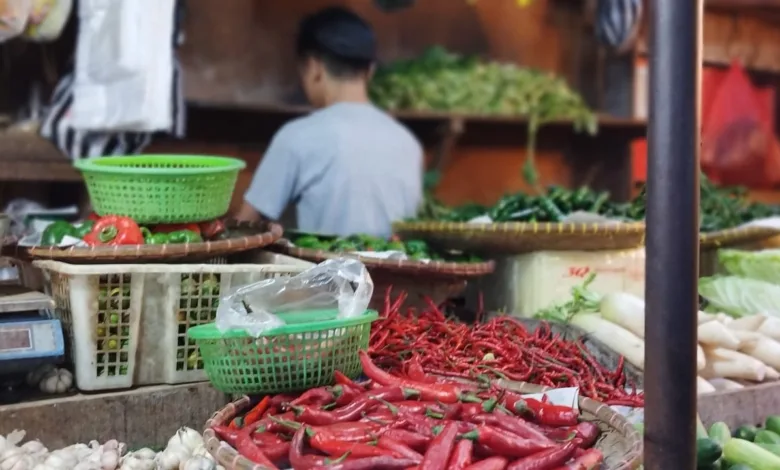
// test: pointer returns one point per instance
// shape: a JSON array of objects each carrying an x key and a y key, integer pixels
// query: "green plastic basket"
[
  {"x": 300, "y": 355},
  {"x": 161, "y": 188}
]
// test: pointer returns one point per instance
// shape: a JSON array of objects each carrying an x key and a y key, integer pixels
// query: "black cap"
[{"x": 338, "y": 32}]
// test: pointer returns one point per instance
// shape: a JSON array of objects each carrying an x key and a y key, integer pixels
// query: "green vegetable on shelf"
[
  {"x": 56, "y": 231},
  {"x": 81, "y": 230},
  {"x": 184, "y": 236}
]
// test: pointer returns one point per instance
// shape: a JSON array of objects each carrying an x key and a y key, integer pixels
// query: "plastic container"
[
  {"x": 127, "y": 324},
  {"x": 161, "y": 188},
  {"x": 300, "y": 355}
]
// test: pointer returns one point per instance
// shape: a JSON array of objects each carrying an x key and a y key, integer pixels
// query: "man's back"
[{"x": 350, "y": 168}]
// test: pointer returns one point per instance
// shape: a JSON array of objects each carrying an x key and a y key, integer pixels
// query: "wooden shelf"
[
  {"x": 605, "y": 122},
  {"x": 28, "y": 157}
]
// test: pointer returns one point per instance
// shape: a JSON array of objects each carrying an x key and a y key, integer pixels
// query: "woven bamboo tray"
[
  {"x": 438, "y": 269},
  {"x": 246, "y": 236},
  {"x": 619, "y": 441},
  {"x": 522, "y": 237},
  {"x": 735, "y": 236}
]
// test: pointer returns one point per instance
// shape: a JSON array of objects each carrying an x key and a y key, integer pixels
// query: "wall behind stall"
[{"x": 241, "y": 52}]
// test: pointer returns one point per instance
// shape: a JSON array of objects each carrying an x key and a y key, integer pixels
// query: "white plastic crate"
[{"x": 127, "y": 324}]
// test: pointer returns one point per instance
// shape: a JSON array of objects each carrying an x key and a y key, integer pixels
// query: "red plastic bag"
[{"x": 738, "y": 145}]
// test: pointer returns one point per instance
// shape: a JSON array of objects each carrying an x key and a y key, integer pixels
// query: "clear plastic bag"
[{"x": 341, "y": 283}]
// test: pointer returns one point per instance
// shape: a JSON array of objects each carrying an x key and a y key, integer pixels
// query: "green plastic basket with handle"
[
  {"x": 302, "y": 354},
  {"x": 161, "y": 188}
]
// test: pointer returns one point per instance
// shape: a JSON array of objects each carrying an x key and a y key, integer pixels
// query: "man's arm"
[{"x": 274, "y": 184}]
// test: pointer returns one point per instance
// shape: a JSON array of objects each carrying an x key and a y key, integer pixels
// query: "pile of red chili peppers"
[
  {"x": 500, "y": 348},
  {"x": 421, "y": 423}
]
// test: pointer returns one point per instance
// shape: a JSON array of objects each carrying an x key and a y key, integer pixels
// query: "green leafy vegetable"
[{"x": 739, "y": 296}]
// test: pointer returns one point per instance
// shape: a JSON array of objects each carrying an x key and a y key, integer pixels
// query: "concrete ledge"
[
  {"x": 750, "y": 405},
  {"x": 146, "y": 416}
]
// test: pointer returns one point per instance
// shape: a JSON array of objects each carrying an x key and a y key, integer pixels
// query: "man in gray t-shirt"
[{"x": 349, "y": 167}]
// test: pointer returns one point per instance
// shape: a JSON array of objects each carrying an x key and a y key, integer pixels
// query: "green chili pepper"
[
  {"x": 184, "y": 236},
  {"x": 56, "y": 231}
]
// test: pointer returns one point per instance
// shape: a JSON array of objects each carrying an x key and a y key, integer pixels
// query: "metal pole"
[{"x": 672, "y": 265}]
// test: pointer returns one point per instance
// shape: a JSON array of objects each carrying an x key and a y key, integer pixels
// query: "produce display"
[
  {"x": 411, "y": 341},
  {"x": 400, "y": 422},
  {"x": 440, "y": 80},
  {"x": 553, "y": 206},
  {"x": 730, "y": 352},
  {"x": 750, "y": 283},
  {"x": 115, "y": 230},
  {"x": 184, "y": 451},
  {"x": 414, "y": 249},
  {"x": 721, "y": 208},
  {"x": 746, "y": 448}
]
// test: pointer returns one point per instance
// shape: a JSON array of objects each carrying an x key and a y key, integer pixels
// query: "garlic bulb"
[
  {"x": 135, "y": 463},
  {"x": 186, "y": 437},
  {"x": 14, "y": 458},
  {"x": 56, "y": 381},
  {"x": 34, "y": 449},
  {"x": 201, "y": 451},
  {"x": 35, "y": 376},
  {"x": 172, "y": 457},
  {"x": 198, "y": 463}
]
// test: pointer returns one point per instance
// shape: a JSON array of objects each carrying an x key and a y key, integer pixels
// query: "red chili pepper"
[
  {"x": 399, "y": 448},
  {"x": 114, "y": 230},
  {"x": 336, "y": 448},
  {"x": 362, "y": 404},
  {"x": 315, "y": 396},
  {"x": 345, "y": 381},
  {"x": 370, "y": 463},
  {"x": 231, "y": 436},
  {"x": 244, "y": 444},
  {"x": 506, "y": 444},
  {"x": 491, "y": 463},
  {"x": 461, "y": 456},
  {"x": 513, "y": 424},
  {"x": 345, "y": 394},
  {"x": 274, "y": 447},
  {"x": 257, "y": 412},
  {"x": 543, "y": 413},
  {"x": 168, "y": 228},
  {"x": 348, "y": 432},
  {"x": 472, "y": 409},
  {"x": 412, "y": 439},
  {"x": 545, "y": 460},
  {"x": 212, "y": 229},
  {"x": 590, "y": 460},
  {"x": 93, "y": 217},
  {"x": 300, "y": 461},
  {"x": 445, "y": 393},
  {"x": 417, "y": 373},
  {"x": 588, "y": 432},
  {"x": 441, "y": 448}
]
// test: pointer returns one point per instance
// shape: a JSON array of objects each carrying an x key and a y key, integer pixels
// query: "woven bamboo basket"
[
  {"x": 619, "y": 441},
  {"x": 522, "y": 237},
  {"x": 735, "y": 236},
  {"x": 245, "y": 236},
  {"x": 439, "y": 269}
]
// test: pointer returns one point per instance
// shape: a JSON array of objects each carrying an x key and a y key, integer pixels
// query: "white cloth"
[{"x": 124, "y": 66}]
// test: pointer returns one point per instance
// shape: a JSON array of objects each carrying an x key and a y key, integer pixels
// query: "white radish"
[
  {"x": 751, "y": 323},
  {"x": 613, "y": 336},
  {"x": 765, "y": 350},
  {"x": 715, "y": 334},
  {"x": 730, "y": 364},
  {"x": 703, "y": 387},
  {"x": 625, "y": 310},
  {"x": 770, "y": 327},
  {"x": 704, "y": 317},
  {"x": 747, "y": 337},
  {"x": 721, "y": 384},
  {"x": 771, "y": 374},
  {"x": 701, "y": 361}
]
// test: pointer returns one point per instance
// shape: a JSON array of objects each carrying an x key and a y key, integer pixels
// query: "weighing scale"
[{"x": 29, "y": 337}]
